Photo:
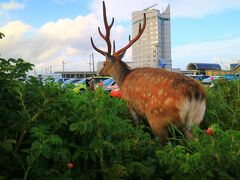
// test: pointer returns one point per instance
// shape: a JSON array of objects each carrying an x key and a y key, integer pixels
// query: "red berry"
[
  {"x": 209, "y": 131},
  {"x": 70, "y": 165}
]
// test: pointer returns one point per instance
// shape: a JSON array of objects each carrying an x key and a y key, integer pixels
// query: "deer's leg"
[
  {"x": 193, "y": 116},
  {"x": 162, "y": 133},
  {"x": 187, "y": 133},
  {"x": 159, "y": 127},
  {"x": 133, "y": 113}
]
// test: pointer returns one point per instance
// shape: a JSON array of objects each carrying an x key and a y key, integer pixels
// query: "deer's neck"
[{"x": 119, "y": 72}]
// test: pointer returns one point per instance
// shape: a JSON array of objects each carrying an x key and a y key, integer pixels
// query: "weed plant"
[{"x": 49, "y": 132}]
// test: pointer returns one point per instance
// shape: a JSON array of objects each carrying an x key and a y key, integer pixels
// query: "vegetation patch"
[{"x": 49, "y": 132}]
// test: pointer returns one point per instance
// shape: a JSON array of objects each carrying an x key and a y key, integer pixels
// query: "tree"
[{"x": 1, "y": 35}]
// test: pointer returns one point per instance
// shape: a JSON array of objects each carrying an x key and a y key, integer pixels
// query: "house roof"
[
  {"x": 237, "y": 66},
  {"x": 203, "y": 66},
  {"x": 233, "y": 66}
]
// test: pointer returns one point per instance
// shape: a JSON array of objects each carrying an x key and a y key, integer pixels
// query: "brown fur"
[
  {"x": 156, "y": 94},
  {"x": 160, "y": 96}
]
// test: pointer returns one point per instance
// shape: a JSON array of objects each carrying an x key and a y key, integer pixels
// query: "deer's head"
[{"x": 116, "y": 56}]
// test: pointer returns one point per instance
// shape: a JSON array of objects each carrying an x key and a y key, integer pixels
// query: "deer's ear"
[{"x": 109, "y": 57}]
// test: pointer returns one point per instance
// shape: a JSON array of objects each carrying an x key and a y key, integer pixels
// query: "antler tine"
[
  {"x": 140, "y": 31},
  {"x": 111, "y": 23},
  {"x": 108, "y": 28},
  {"x": 113, "y": 46},
  {"x": 98, "y": 50},
  {"x": 107, "y": 36},
  {"x": 101, "y": 34},
  {"x": 105, "y": 17}
]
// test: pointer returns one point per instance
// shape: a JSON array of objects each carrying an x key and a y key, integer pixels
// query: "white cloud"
[
  {"x": 6, "y": 7},
  {"x": 68, "y": 40},
  {"x": 11, "y": 30},
  {"x": 12, "y": 5},
  {"x": 65, "y": 40},
  {"x": 223, "y": 52}
]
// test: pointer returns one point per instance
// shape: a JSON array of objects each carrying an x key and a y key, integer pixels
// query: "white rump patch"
[{"x": 192, "y": 112}]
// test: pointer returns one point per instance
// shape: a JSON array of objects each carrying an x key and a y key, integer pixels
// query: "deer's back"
[{"x": 150, "y": 89}]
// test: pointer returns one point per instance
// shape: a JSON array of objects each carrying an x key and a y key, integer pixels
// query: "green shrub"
[
  {"x": 48, "y": 132},
  {"x": 206, "y": 157},
  {"x": 45, "y": 127},
  {"x": 223, "y": 105}
]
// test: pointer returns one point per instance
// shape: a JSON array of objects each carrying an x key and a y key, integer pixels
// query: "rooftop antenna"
[{"x": 150, "y": 7}]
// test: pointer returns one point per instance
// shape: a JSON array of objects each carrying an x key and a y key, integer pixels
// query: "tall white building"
[{"x": 153, "y": 49}]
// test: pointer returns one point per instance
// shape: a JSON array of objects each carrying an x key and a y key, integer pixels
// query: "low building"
[
  {"x": 211, "y": 69},
  {"x": 237, "y": 68},
  {"x": 203, "y": 68},
  {"x": 76, "y": 74},
  {"x": 233, "y": 66}
]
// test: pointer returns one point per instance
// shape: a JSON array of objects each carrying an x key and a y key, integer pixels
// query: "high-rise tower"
[{"x": 153, "y": 49}]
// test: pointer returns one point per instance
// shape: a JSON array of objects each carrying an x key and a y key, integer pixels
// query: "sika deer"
[{"x": 159, "y": 95}]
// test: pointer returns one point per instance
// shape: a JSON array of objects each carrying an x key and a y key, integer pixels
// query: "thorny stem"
[
  {"x": 31, "y": 120},
  {"x": 26, "y": 173}
]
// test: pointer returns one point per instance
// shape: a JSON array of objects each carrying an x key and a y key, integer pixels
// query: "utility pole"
[
  {"x": 93, "y": 64},
  {"x": 50, "y": 69},
  {"x": 90, "y": 63},
  {"x": 63, "y": 63},
  {"x": 34, "y": 71}
]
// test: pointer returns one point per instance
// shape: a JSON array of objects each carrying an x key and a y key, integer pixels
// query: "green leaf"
[
  {"x": 185, "y": 167},
  {"x": 30, "y": 159},
  {"x": 6, "y": 146},
  {"x": 108, "y": 144},
  {"x": 55, "y": 140},
  {"x": 74, "y": 126},
  {"x": 11, "y": 141},
  {"x": 82, "y": 128},
  {"x": 92, "y": 156},
  {"x": 36, "y": 145}
]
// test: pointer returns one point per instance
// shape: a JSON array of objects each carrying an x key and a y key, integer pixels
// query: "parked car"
[
  {"x": 108, "y": 84},
  {"x": 210, "y": 79},
  {"x": 54, "y": 77},
  {"x": 83, "y": 80},
  {"x": 81, "y": 85},
  {"x": 115, "y": 92},
  {"x": 232, "y": 76},
  {"x": 70, "y": 81},
  {"x": 61, "y": 80},
  {"x": 197, "y": 77},
  {"x": 202, "y": 77}
]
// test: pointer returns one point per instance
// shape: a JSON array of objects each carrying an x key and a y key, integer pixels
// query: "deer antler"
[
  {"x": 114, "y": 44},
  {"x": 131, "y": 41},
  {"x": 107, "y": 36}
]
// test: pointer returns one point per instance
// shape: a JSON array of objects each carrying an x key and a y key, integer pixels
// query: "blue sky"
[
  {"x": 37, "y": 12},
  {"x": 48, "y": 32}
]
